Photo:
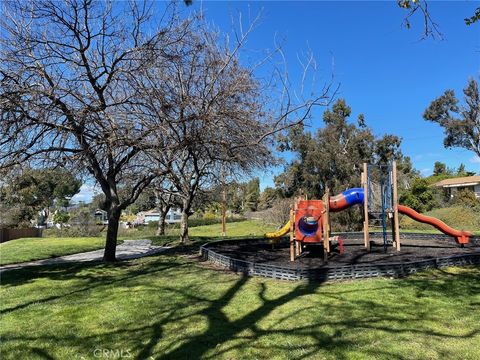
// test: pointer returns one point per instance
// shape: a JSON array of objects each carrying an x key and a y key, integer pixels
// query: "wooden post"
[
  {"x": 295, "y": 240},
  {"x": 224, "y": 213},
  {"x": 224, "y": 204},
  {"x": 366, "y": 235},
  {"x": 292, "y": 233},
  {"x": 325, "y": 224},
  {"x": 396, "y": 225}
]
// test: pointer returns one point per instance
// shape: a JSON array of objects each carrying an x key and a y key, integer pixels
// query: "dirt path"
[{"x": 130, "y": 249}]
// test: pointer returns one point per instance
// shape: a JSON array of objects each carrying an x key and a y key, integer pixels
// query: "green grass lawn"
[
  {"x": 244, "y": 228},
  {"x": 28, "y": 249},
  {"x": 172, "y": 307},
  {"x": 21, "y": 250},
  {"x": 252, "y": 228}
]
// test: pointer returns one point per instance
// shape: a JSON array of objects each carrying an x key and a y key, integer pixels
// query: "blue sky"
[{"x": 384, "y": 70}]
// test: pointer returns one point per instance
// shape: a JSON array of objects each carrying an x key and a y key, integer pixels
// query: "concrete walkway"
[{"x": 130, "y": 249}]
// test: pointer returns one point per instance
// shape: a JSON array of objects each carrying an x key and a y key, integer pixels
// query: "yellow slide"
[{"x": 279, "y": 233}]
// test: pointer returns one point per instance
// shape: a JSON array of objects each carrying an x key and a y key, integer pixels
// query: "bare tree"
[
  {"x": 219, "y": 109},
  {"x": 279, "y": 213},
  {"x": 67, "y": 95},
  {"x": 430, "y": 27},
  {"x": 166, "y": 198}
]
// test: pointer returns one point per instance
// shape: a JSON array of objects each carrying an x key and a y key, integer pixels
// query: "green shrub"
[
  {"x": 152, "y": 224},
  {"x": 193, "y": 222},
  {"x": 211, "y": 221},
  {"x": 209, "y": 216},
  {"x": 75, "y": 231},
  {"x": 466, "y": 198},
  {"x": 61, "y": 217},
  {"x": 420, "y": 196}
]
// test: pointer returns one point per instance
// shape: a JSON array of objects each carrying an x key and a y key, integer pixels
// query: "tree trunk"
[
  {"x": 112, "y": 232},
  {"x": 184, "y": 222},
  {"x": 161, "y": 221}
]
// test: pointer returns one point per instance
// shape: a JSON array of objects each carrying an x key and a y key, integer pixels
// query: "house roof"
[
  {"x": 460, "y": 181},
  {"x": 154, "y": 212}
]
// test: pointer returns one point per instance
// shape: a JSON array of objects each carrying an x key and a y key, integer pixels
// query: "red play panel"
[{"x": 308, "y": 221}]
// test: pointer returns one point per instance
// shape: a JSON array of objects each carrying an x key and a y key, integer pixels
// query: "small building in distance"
[
  {"x": 101, "y": 216},
  {"x": 453, "y": 185},
  {"x": 174, "y": 215}
]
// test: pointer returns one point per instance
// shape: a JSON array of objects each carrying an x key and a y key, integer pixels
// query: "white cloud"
[
  {"x": 86, "y": 193},
  {"x": 426, "y": 156},
  {"x": 426, "y": 171},
  {"x": 475, "y": 159}
]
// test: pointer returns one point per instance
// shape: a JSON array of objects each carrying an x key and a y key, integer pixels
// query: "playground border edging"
[{"x": 344, "y": 272}]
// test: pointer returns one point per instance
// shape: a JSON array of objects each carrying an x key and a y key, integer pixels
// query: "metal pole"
[
  {"x": 395, "y": 206},
  {"x": 292, "y": 232},
  {"x": 366, "y": 236}
]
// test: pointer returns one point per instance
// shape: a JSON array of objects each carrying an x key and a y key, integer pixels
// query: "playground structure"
[{"x": 310, "y": 219}]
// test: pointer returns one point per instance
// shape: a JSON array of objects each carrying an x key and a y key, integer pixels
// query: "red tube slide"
[{"x": 461, "y": 236}]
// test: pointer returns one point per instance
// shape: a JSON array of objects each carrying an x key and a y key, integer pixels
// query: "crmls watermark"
[{"x": 112, "y": 353}]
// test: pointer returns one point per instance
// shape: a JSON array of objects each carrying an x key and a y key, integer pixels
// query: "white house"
[
  {"x": 174, "y": 215},
  {"x": 456, "y": 184},
  {"x": 101, "y": 216}
]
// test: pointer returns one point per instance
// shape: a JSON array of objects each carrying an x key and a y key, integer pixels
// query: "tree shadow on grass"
[
  {"x": 40, "y": 353},
  {"x": 221, "y": 330},
  {"x": 324, "y": 333},
  {"x": 87, "y": 273}
]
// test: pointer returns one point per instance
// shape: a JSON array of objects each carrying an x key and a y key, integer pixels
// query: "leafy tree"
[
  {"x": 61, "y": 217},
  {"x": 332, "y": 158},
  {"x": 235, "y": 197},
  {"x": 461, "y": 123},
  {"x": 420, "y": 196},
  {"x": 462, "y": 171},
  {"x": 252, "y": 194},
  {"x": 268, "y": 198},
  {"x": 33, "y": 190},
  {"x": 439, "y": 168}
]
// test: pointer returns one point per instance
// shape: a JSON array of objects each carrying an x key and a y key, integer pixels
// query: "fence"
[{"x": 11, "y": 234}]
